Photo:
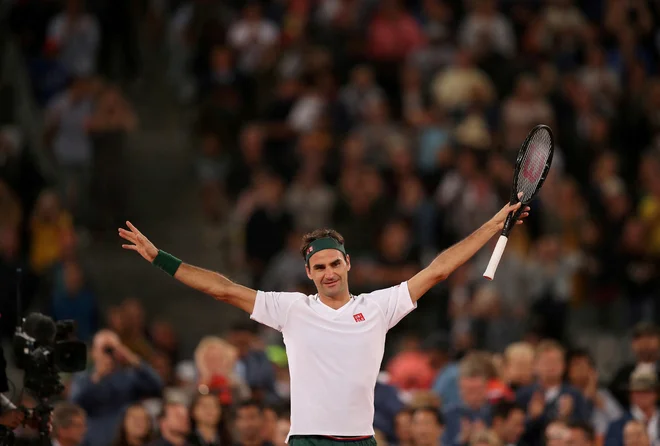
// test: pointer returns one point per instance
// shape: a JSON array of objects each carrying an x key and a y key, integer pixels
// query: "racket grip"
[{"x": 496, "y": 257}]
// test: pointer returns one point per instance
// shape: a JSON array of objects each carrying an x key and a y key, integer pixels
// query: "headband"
[{"x": 321, "y": 244}]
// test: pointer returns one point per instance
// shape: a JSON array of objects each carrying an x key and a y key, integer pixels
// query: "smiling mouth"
[{"x": 334, "y": 282}]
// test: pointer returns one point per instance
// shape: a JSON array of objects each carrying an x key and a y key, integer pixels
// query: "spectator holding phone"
[{"x": 117, "y": 379}]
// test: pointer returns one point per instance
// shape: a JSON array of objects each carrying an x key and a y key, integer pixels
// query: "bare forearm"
[
  {"x": 455, "y": 256},
  {"x": 208, "y": 282}
]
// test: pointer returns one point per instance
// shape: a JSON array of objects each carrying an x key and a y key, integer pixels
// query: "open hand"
[
  {"x": 140, "y": 243},
  {"x": 501, "y": 216}
]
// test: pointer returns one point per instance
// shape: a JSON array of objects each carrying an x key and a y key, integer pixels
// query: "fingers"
[
  {"x": 133, "y": 228},
  {"x": 131, "y": 247},
  {"x": 127, "y": 235}
]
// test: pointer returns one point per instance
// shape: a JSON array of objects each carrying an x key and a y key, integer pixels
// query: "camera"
[{"x": 43, "y": 349}]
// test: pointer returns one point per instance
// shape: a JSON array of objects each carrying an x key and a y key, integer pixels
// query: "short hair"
[
  {"x": 432, "y": 410},
  {"x": 503, "y": 409},
  {"x": 474, "y": 365},
  {"x": 166, "y": 405},
  {"x": 548, "y": 345},
  {"x": 585, "y": 427},
  {"x": 249, "y": 403},
  {"x": 645, "y": 330},
  {"x": 310, "y": 237},
  {"x": 580, "y": 353},
  {"x": 64, "y": 413},
  {"x": 518, "y": 348}
]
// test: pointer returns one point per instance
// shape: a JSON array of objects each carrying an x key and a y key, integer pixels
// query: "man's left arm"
[
  {"x": 450, "y": 259},
  {"x": 145, "y": 381}
]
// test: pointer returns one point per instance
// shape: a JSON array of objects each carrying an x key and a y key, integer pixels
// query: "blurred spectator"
[
  {"x": 134, "y": 333},
  {"x": 284, "y": 271},
  {"x": 393, "y": 33},
  {"x": 634, "y": 434},
  {"x": 68, "y": 424},
  {"x": 249, "y": 424},
  {"x": 253, "y": 366},
  {"x": 215, "y": 360},
  {"x": 485, "y": 24},
  {"x": 643, "y": 388},
  {"x": 67, "y": 118},
  {"x": 522, "y": 111},
  {"x": 581, "y": 373},
  {"x": 387, "y": 405},
  {"x": 646, "y": 348},
  {"x": 209, "y": 422},
  {"x": 582, "y": 434},
  {"x": 456, "y": 86},
  {"x": 51, "y": 229},
  {"x": 136, "y": 427},
  {"x": 508, "y": 422},
  {"x": 74, "y": 35},
  {"x": 268, "y": 225},
  {"x": 410, "y": 369},
  {"x": 427, "y": 427},
  {"x": 283, "y": 429},
  {"x": 445, "y": 383},
  {"x": 253, "y": 37},
  {"x": 556, "y": 434},
  {"x": 164, "y": 338},
  {"x": 108, "y": 388},
  {"x": 403, "y": 427},
  {"x": 549, "y": 397},
  {"x": 212, "y": 172},
  {"x": 74, "y": 299},
  {"x": 360, "y": 91},
  {"x": 270, "y": 423},
  {"x": 518, "y": 365},
  {"x": 474, "y": 412},
  {"x": 173, "y": 425},
  {"x": 13, "y": 216}
]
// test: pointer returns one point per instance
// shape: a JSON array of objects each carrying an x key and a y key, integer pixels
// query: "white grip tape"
[{"x": 496, "y": 257}]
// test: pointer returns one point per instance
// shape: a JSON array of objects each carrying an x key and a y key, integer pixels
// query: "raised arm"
[
  {"x": 208, "y": 282},
  {"x": 451, "y": 258}
]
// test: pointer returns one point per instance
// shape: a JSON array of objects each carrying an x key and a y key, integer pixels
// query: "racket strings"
[{"x": 533, "y": 164}]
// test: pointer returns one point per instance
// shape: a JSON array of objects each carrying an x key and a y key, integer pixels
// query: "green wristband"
[{"x": 167, "y": 262}]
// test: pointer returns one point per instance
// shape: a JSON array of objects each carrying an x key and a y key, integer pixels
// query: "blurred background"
[{"x": 226, "y": 129}]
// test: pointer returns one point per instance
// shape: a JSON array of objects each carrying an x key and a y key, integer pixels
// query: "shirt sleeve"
[
  {"x": 272, "y": 308},
  {"x": 395, "y": 302}
]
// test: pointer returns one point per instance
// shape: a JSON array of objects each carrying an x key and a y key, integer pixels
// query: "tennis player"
[{"x": 334, "y": 340}]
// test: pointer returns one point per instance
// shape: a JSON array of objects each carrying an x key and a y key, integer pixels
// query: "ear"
[
  {"x": 348, "y": 262},
  {"x": 309, "y": 273}
]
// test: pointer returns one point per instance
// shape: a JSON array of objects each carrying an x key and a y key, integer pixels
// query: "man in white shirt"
[
  {"x": 334, "y": 340},
  {"x": 69, "y": 424}
]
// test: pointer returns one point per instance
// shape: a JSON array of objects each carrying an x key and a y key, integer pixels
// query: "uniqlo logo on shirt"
[{"x": 358, "y": 317}]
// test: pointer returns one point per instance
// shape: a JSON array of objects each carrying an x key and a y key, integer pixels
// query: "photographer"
[{"x": 118, "y": 378}]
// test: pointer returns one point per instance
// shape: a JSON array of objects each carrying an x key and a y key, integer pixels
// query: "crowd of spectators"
[{"x": 396, "y": 123}]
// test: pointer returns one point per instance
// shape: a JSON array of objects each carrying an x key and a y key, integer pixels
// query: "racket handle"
[{"x": 496, "y": 257}]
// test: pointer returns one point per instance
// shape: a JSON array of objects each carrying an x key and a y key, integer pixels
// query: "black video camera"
[{"x": 43, "y": 349}]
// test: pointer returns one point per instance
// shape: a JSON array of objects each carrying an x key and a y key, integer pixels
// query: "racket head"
[
  {"x": 533, "y": 164},
  {"x": 531, "y": 169}
]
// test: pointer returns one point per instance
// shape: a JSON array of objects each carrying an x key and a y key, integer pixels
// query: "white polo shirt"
[{"x": 334, "y": 355}]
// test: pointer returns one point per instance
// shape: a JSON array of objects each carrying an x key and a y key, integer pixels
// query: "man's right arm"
[{"x": 209, "y": 282}]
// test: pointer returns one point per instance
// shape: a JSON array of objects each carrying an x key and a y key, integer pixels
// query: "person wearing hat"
[
  {"x": 643, "y": 393},
  {"x": 646, "y": 348}
]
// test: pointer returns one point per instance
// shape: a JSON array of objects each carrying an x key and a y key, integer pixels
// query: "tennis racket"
[{"x": 532, "y": 166}]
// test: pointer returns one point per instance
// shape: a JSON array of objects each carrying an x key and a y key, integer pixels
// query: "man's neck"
[
  {"x": 208, "y": 433},
  {"x": 174, "y": 438},
  {"x": 335, "y": 302}
]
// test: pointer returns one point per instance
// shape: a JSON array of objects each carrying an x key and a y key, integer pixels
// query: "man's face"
[
  {"x": 243, "y": 340},
  {"x": 520, "y": 369},
  {"x": 426, "y": 431},
  {"x": 269, "y": 424},
  {"x": 102, "y": 360},
  {"x": 550, "y": 365},
  {"x": 556, "y": 434},
  {"x": 635, "y": 435},
  {"x": 645, "y": 400},
  {"x": 473, "y": 391},
  {"x": 75, "y": 432},
  {"x": 329, "y": 271},
  {"x": 646, "y": 348},
  {"x": 403, "y": 427},
  {"x": 176, "y": 421},
  {"x": 579, "y": 371},
  {"x": 577, "y": 437},
  {"x": 249, "y": 423},
  {"x": 514, "y": 426}
]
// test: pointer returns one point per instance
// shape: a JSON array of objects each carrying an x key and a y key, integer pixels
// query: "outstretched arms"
[
  {"x": 453, "y": 257},
  {"x": 208, "y": 282}
]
